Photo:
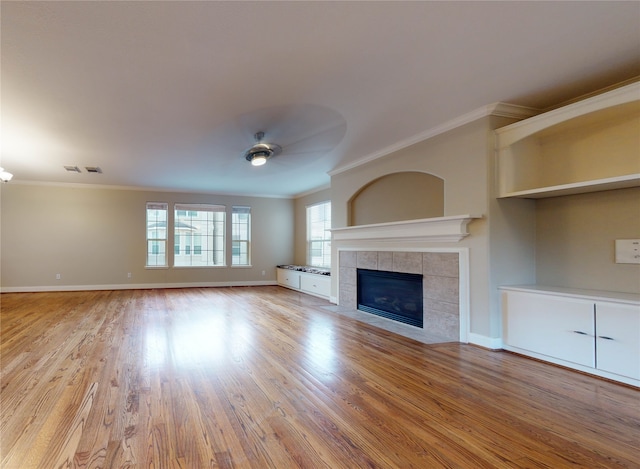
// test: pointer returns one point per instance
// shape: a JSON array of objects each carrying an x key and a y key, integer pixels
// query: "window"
[
  {"x": 318, "y": 235},
  {"x": 241, "y": 236},
  {"x": 157, "y": 234},
  {"x": 199, "y": 235}
]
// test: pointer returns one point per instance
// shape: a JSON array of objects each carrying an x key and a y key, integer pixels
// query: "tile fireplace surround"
[{"x": 441, "y": 285}]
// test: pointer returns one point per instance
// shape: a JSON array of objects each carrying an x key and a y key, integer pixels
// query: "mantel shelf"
[{"x": 440, "y": 229}]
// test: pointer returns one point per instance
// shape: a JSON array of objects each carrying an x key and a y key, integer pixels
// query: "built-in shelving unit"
[{"x": 592, "y": 145}]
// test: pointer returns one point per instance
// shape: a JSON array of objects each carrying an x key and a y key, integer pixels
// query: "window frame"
[
  {"x": 157, "y": 241},
  {"x": 236, "y": 210},
  {"x": 214, "y": 239},
  {"x": 324, "y": 241}
]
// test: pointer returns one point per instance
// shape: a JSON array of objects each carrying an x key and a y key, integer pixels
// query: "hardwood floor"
[{"x": 264, "y": 377}]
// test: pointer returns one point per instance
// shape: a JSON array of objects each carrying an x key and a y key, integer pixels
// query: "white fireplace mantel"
[{"x": 440, "y": 229}]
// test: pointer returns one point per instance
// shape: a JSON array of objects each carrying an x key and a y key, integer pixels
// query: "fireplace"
[
  {"x": 444, "y": 274},
  {"x": 393, "y": 295}
]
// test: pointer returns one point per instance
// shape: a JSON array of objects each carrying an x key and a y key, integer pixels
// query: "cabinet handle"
[
  {"x": 580, "y": 332},
  {"x": 605, "y": 337}
]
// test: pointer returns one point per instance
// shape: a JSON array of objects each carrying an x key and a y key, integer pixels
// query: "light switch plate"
[{"x": 627, "y": 251}]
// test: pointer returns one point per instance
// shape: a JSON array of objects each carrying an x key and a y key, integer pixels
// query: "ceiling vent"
[
  {"x": 72, "y": 169},
  {"x": 93, "y": 169}
]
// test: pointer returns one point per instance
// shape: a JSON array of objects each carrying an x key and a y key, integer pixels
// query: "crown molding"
[
  {"x": 77, "y": 185},
  {"x": 498, "y": 109}
]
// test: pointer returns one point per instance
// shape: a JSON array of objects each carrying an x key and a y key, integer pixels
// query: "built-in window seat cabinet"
[{"x": 311, "y": 280}]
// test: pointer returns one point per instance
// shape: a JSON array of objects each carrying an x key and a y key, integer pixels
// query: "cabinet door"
[
  {"x": 558, "y": 327},
  {"x": 316, "y": 285},
  {"x": 288, "y": 278},
  {"x": 618, "y": 339}
]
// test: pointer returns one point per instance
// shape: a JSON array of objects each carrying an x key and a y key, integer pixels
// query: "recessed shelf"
[
  {"x": 589, "y": 146},
  {"x": 596, "y": 185}
]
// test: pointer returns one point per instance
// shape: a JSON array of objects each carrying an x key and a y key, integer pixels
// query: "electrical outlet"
[
  {"x": 58, "y": 276},
  {"x": 128, "y": 274},
  {"x": 264, "y": 273}
]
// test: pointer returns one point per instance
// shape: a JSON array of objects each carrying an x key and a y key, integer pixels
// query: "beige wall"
[
  {"x": 460, "y": 157},
  {"x": 94, "y": 237},
  {"x": 406, "y": 195},
  {"x": 575, "y": 238},
  {"x": 301, "y": 203}
]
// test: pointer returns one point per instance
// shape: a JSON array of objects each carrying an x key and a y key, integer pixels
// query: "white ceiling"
[{"x": 168, "y": 95}]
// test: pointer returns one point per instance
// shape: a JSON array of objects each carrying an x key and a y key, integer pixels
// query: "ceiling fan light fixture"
[
  {"x": 258, "y": 160},
  {"x": 258, "y": 154},
  {"x": 5, "y": 176}
]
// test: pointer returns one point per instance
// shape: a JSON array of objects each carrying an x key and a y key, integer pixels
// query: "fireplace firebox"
[{"x": 393, "y": 295}]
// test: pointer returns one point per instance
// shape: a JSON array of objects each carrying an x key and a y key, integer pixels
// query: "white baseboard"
[
  {"x": 493, "y": 343},
  {"x": 131, "y": 286}
]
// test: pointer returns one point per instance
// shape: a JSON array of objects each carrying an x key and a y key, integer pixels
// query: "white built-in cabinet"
[
  {"x": 595, "y": 332},
  {"x": 591, "y": 145},
  {"x": 313, "y": 284},
  {"x": 588, "y": 146}
]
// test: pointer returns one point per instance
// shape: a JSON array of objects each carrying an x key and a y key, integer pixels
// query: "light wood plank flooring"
[{"x": 264, "y": 377}]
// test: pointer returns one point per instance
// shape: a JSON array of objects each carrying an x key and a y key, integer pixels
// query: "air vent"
[
  {"x": 93, "y": 169},
  {"x": 72, "y": 169}
]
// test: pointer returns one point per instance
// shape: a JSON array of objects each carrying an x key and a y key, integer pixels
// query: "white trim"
[
  {"x": 497, "y": 109},
  {"x": 625, "y": 298},
  {"x": 138, "y": 286},
  {"x": 573, "y": 366},
  {"x": 512, "y": 133},
  {"x": 493, "y": 343},
  {"x": 312, "y": 191},
  {"x": 440, "y": 229},
  {"x": 76, "y": 185}
]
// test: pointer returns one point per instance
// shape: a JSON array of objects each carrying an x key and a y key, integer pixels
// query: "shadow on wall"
[{"x": 407, "y": 195}]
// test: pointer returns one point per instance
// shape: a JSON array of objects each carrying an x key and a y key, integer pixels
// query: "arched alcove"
[{"x": 408, "y": 195}]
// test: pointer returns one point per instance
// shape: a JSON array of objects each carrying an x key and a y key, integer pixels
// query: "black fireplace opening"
[{"x": 393, "y": 295}]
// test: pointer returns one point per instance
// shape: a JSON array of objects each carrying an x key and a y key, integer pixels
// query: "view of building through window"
[
  {"x": 199, "y": 235},
  {"x": 156, "y": 234},
  {"x": 319, "y": 235},
  {"x": 241, "y": 235}
]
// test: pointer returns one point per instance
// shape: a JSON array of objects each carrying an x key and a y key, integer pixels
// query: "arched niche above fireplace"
[{"x": 406, "y": 195}]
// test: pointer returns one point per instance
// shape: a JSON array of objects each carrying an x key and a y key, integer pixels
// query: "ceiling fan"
[{"x": 261, "y": 151}]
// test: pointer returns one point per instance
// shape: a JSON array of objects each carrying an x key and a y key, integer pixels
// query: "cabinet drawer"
[
  {"x": 316, "y": 285},
  {"x": 288, "y": 278}
]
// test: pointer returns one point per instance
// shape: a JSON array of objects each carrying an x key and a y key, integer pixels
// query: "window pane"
[
  {"x": 200, "y": 231},
  {"x": 319, "y": 235},
  {"x": 241, "y": 235},
  {"x": 156, "y": 234}
]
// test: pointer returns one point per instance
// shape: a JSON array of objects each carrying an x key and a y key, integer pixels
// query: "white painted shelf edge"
[
  {"x": 618, "y": 182},
  {"x": 437, "y": 229},
  {"x": 512, "y": 133},
  {"x": 592, "y": 295}
]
